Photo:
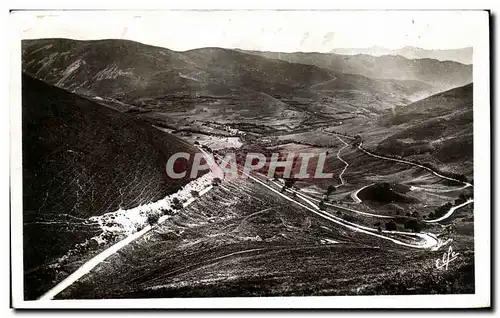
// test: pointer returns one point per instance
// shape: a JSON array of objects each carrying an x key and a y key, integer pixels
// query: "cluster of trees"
[
  {"x": 233, "y": 131},
  {"x": 216, "y": 182},
  {"x": 462, "y": 198},
  {"x": 153, "y": 217},
  {"x": 357, "y": 140},
  {"x": 322, "y": 205},
  {"x": 348, "y": 218},
  {"x": 190, "y": 131},
  {"x": 441, "y": 210},
  {"x": 274, "y": 143},
  {"x": 176, "y": 204},
  {"x": 206, "y": 148},
  {"x": 330, "y": 190},
  {"x": 412, "y": 224},
  {"x": 391, "y": 226},
  {"x": 340, "y": 133},
  {"x": 289, "y": 182},
  {"x": 413, "y": 214}
]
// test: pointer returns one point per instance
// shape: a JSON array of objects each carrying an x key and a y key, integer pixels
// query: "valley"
[{"x": 99, "y": 128}]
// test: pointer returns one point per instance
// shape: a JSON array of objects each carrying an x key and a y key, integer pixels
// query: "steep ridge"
[{"x": 81, "y": 159}]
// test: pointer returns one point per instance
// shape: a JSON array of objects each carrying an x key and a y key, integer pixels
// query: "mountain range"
[
  {"x": 461, "y": 55},
  {"x": 442, "y": 75},
  {"x": 133, "y": 74}
]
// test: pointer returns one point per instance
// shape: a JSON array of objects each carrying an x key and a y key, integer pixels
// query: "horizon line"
[{"x": 259, "y": 50}]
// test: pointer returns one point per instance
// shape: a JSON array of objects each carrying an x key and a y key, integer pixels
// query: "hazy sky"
[{"x": 285, "y": 31}]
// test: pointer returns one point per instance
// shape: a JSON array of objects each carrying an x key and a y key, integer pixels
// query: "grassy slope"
[
  {"x": 437, "y": 129},
  {"x": 242, "y": 240},
  {"x": 81, "y": 159}
]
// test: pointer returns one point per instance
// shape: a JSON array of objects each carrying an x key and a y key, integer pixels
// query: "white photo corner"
[{"x": 250, "y": 159}]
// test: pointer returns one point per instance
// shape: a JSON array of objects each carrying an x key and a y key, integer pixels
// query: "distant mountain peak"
[{"x": 460, "y": 55}]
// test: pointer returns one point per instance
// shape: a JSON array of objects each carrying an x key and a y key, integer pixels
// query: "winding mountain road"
[
  {"x": 431, "y": 241},
  {"x": 450, "y": 212},
  {"x": 96, "y": 260},
  {"x": 413, "y": 164},
  {"x": 356, "y": 199},
  {"x": 342, "y": 181},
  {"x": 360, "y": 147}
]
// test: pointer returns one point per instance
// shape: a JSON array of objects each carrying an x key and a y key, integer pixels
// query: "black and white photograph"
[{"x": 277, "y": 156}]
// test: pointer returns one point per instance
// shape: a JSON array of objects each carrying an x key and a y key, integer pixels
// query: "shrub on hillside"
[
  {"x": 391, "y": 226},
  {"x": 176, "y": 204},
  {"x": 216, "y": 182},
  {"x": 153, "y": 218},
  {"x": 349, "y": 218},
  {"x": 330, "y": 190},
  {"x": 413, "y": 225},
  {"x": 289, "y": 182},
  {"x": 321, "y": 205},
  {"x": 440, "y": 211},
  {"x": 166, "y": 211}
]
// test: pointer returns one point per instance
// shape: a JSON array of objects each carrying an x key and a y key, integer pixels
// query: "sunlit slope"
[{"x": 437, "y": 129}]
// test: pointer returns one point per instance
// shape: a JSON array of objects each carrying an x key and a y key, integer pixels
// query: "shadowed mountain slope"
[
  {"x": 81, "y": 159},
  {"x": 93, "y": 154},
  {"x": 441, "y": 74}
]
